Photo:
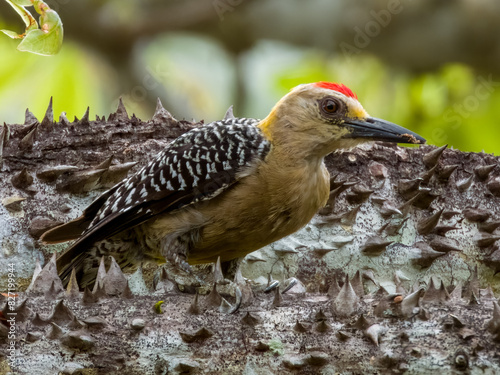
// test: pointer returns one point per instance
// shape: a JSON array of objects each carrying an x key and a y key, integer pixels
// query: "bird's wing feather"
[
  {"x": 75, "y": 228},
  {"x": 196, "y": 166}
]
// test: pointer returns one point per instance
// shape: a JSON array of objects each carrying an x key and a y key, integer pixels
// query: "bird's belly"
[
  {"x": 252, "y": 214},
  {"x": 235, "y": 243},
  {"x": 247, "y": 230}
]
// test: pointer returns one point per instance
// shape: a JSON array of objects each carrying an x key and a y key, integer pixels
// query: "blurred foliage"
[
  {"x": 196, "y": 78},
  {"x": 74, "y": 78},
  {"x": 451, "y": 106}
]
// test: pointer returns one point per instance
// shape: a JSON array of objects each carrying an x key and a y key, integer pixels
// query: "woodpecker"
[{"x": 225, "y": 189}]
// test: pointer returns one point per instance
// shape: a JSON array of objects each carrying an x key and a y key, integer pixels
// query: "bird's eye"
[{"x": 330, "y": 106}]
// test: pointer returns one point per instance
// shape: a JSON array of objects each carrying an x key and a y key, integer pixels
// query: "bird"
[{"x": 225, "y": 189}]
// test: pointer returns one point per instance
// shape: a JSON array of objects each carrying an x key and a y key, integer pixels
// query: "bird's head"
[{"x": 324, "y": 117}]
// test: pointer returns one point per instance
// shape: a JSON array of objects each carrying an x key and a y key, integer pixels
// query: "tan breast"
[
  {"x": 271, "y": 203},
  {"x": 261, "y": 209}
]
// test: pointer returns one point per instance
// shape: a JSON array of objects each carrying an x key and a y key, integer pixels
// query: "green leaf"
[
  {"x": 44, "y": 41},
  {"x": 11, "y": 34},
  {"x": 23, "y": 3},
  {"x": 28, "y": 19},
  {"x": 47, "y": 40},
  {"x": 50, "y": 20}
]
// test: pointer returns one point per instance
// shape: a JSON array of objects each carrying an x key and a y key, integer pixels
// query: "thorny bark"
[{"x": 396, "y": 274}]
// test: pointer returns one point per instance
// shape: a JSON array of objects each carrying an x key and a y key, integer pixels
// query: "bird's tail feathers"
[
  {"x": 81, "y": 257},
  {"x": 66, "y": 232}
]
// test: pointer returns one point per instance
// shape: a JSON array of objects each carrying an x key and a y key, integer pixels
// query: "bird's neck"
[
  {"x": 291, "y": 180},
  {"x": 292, "y": 144}
]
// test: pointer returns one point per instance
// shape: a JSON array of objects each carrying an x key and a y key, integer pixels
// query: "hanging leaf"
[{"x": 44, "y": 40}]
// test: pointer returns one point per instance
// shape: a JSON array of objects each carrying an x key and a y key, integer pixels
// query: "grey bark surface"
[{"x": 395, "y": 275}]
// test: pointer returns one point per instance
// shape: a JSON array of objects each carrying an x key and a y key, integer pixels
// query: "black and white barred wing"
[{"x": 196, "y": 166}]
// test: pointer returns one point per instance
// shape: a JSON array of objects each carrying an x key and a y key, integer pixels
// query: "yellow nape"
[{"x": 265, "y": 124}]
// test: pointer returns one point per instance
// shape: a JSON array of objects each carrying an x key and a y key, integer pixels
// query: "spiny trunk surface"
[{"x": 395, "y": 275}]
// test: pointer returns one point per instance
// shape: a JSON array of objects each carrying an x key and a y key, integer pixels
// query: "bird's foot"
[{"x": 175, "y": 252}]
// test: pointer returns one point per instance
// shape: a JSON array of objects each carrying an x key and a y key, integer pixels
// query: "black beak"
[{"x": 380, "y": 130}]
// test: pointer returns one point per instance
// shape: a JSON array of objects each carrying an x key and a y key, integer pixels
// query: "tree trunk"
[{"x": 396, "y": 274}]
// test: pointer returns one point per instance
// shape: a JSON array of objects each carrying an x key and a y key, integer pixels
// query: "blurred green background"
[{"x": 431, "y": 66}]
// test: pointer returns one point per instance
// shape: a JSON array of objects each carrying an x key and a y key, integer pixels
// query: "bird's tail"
[
  {"x": 83, "y": 258},
  {"x": 76, "y": 256},
  {"x": 66, "y": 232},
  {"x": 75, "y": 228}
]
